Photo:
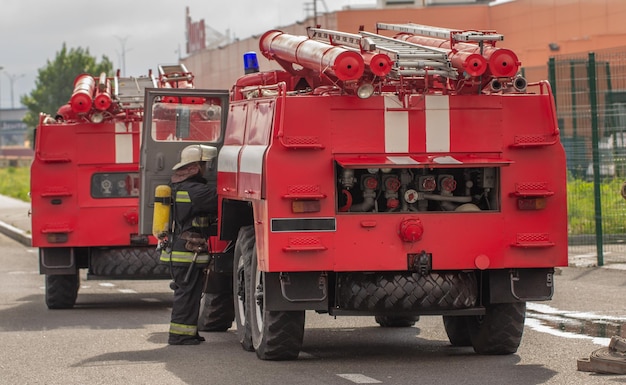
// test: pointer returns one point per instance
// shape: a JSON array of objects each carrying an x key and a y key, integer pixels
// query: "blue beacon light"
[{"x": 250, "y": 63}]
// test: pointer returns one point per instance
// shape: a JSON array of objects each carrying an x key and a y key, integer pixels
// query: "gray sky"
[{"x": 146, "y": 33}]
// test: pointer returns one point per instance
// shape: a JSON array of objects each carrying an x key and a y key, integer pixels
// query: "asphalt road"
[{"x": 118, "y": 331}]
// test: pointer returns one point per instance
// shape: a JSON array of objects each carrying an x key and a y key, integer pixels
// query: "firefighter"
[{"x": 194, "y": 203}]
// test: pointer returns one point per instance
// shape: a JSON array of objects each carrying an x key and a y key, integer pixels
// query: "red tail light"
[{"x": 531, "y": 203}]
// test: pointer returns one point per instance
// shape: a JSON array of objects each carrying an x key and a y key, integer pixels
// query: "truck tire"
[
  {"x": 396, "y": 322},
  {"x": 128, "y": 262},
  {"x": 276, "y": 335},
  {"x": 244, "y": 249},
  {"x": 499, "y": 331},
  {"x": 62, "y": 290},
  {"x": 405, "y": 291},
  {"x": 216, "y": 312},
  {"x": 457, "y": 330}
]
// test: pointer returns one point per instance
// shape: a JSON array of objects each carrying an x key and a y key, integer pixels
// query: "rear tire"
[
  {"x": 216, "y": 312},
  {"x": 62, "y": 290},
  {"x": 276, "y": 335},
  {"x": 457, "y": 330},
  {"x": 500, "y": 330},
  {"x": 244, "y": 251}
]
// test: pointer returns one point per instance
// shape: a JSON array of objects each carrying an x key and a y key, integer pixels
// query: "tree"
[{"x": 55, "y": 82}]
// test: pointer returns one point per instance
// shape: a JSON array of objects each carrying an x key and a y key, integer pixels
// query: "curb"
[{"x": 16, "y": 234}]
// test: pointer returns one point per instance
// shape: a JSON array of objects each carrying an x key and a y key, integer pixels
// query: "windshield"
[{"x": 192, "y": 119}]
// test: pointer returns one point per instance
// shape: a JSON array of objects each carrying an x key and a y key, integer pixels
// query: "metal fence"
[{"x": 590, "y": 95}]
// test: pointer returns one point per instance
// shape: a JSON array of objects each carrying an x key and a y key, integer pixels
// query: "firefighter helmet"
[{"x": 195, "y": 153}]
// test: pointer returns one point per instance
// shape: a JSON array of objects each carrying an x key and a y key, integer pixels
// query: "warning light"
[{"x": 250, "y": 63}]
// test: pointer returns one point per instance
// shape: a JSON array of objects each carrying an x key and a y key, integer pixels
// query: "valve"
[
  {"x": 427, "y": 183},
  {"x": 411, "y": 230}
]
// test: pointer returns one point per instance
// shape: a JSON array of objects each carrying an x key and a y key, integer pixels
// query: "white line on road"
[
  {"x": 359, "y": 378},
  {"x": 127, "y": 291},
  {"x": 544, "y": 312}
]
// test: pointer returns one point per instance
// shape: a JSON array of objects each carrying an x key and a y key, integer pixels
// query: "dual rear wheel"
[
  {"x": 498, "y": 332},
  {"x": 273, "y": 335}
]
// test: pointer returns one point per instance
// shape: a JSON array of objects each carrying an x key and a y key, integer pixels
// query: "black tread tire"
[
  {"x": 128, "y": 262},
  {"x": 216, "y": 312},
  {"x": 500, "y": 330},
  {"x": 62, "y": 291},
  {"x": 244, "y": 250},
  {"x": 457, "y": 330},
  {"x": 396, "y": 321},
  {"x": 276, "y": 335},
  {"x": 405, "y": 291}
]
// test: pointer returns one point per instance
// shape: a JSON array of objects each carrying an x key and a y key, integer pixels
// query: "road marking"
[
  {"x": 546, "y": 312},
  {"x": 106, "y": 284},
  {"x": 127, "y": 291},
  {"x": 537, "y": 326},
  {"x": 359, "y": 378}
]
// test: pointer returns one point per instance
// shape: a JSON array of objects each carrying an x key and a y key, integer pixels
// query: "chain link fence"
[{"x": 590, "y": 95}]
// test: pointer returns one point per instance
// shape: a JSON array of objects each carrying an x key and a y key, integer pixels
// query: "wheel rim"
[
  {"x": 241, "y": 293},
  {"x": 258, "y": 299}
]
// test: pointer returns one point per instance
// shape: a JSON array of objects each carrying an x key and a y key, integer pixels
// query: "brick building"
[{"x": 534, "y": 29}]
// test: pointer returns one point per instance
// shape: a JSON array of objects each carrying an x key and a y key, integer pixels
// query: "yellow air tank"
[{"x": 162, "y": 206}]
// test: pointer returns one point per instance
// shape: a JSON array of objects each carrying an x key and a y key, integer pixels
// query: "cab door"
[{"x": 173, "y": 120}]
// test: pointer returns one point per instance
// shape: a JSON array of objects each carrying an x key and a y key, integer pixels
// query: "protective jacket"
[{"x": 195, "y": 203}]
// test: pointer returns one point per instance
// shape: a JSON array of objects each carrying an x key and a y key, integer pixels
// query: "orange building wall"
[{"x": 528, "y": 26}]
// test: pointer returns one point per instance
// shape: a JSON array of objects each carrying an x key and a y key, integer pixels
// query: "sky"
[{"x": 136, "y": 35}]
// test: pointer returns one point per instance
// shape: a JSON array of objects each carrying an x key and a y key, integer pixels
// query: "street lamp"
[
  {"x": 1, "y": 68},
  {"x": 12, "y": 79},
  {"x": 123, "y": 54}
]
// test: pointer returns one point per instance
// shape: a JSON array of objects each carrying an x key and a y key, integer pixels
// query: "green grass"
[
  {"x": 581, "y": 208},
  {"x": 15, "y": 182}
]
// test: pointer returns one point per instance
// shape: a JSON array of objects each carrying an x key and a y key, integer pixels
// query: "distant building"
[
  {"x": 534, "y": 30},
  {"x": 15, "y": 148},
  {"x": 13, "y": 131}
]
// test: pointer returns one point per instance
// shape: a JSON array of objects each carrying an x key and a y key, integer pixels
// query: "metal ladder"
[
  {"x": 441, "y": 33},
  {"x": 130, "y": 91},
  {"x": 408, "y": 59},
  {"x": 174, "y": 72}
]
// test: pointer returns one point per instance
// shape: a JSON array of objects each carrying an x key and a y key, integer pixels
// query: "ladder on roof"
[
  {"x": 408, "y": 59},
  {"x": 441, "y": 33},
  {"x": 130, "y": 91},
  {"x": 174, "y": 72}
]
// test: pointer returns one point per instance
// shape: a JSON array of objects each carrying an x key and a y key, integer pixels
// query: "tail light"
[
  {"x": 305, "y": 206},
  {"x": 531, "y": 203},
  {"x": 56, "y": 237}
]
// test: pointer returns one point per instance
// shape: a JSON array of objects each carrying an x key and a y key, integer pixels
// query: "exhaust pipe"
[
  {"x": 495, "y": 85},
  {"x": 520, "y": 84}
]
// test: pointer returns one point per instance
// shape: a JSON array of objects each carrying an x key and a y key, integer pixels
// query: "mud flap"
[
  {"x": 521, "y": 285},
  {"x": 296, "y": 291},
  {"x": 57, "y": 261}
]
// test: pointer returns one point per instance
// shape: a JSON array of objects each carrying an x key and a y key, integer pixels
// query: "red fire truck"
[
  {"x": 85, "y": 184},
  {"x": 394, "y": 174}
]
